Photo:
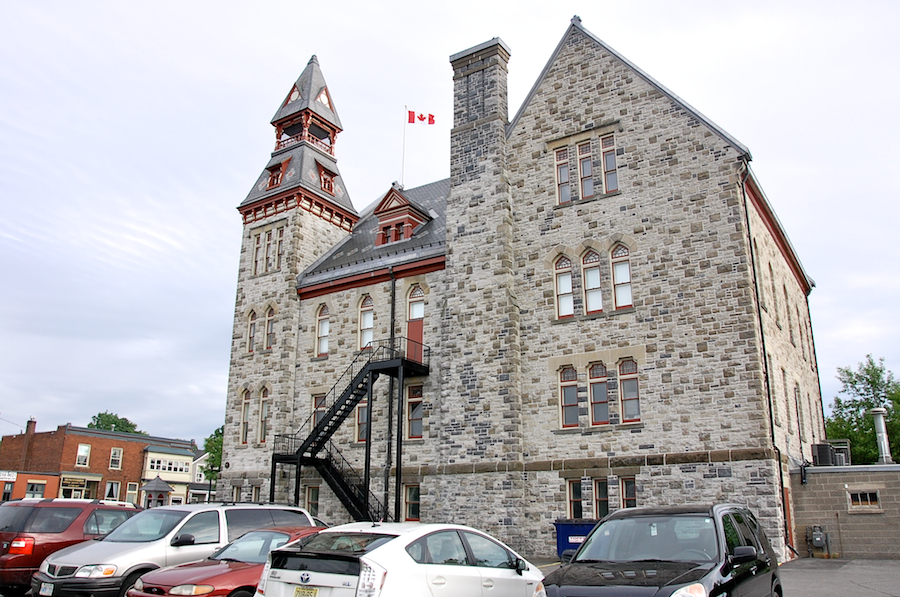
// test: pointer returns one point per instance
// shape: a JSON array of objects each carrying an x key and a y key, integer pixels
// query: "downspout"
[
  {"x": 390, "y": 416},
  {"x": 762, "y": 336}
]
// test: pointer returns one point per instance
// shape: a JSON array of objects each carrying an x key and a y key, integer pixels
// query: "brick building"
[
  {"x": 80, "y": 462},
  {"x": 598, "y": 309}
]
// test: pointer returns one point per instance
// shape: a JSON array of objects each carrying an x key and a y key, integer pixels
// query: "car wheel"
[
  {"x": 14, "y": 590},
  {"x": 241, "y": 593},
  {"x": 129, "y": 582}
]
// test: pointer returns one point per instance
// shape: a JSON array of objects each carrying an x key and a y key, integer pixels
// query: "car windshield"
[
  {"x": 252, "y": 548},
  {"x": 675, "y": 538},
  {"x": 145, "y": 526},
  {"x": 347, "y": 542}
]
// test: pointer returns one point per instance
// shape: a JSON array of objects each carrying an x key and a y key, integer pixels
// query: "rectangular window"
[
  {"x": 362, "y": 422},
  {"x": 411, "y": 510},
  {"x": 236, "y": 494},
  {"x": 84, "y": 455},
  {"x": 268, "y": 249},
  {"x": 610, "y": 172},
  {"x": 593, "y": 300},
  {"x": 319, "y": 408},
  {"x": 599, "y": 395},
  {"x": 312, "y": 500},
  {"x": 115, "y": 459},
  {"x": 279, "y": 253},
  {"x": 35, "y": 490},
  {"x": 601, "y": 498},
  {"x": 575, "y": 503},
  {"x": 245, "y": 421},
  {"x": 415, "y": 411},
  {"x": 629, "y": 492},
  {"x": 131, "y": 493},
  {"x": 864, "y": 500},
  {"x": 628, "y": 384},
  {"x": 7, "y": 491},
  {"x": 257, "y": 246},
  {"x": 564, "y": 300},
  {"x": 585, "y": 170},
  {"x": 263, "y": 421},
  {"x": 112, "y": 490},
  {"x": 255, "y": 493},
  {"x": 568, "y": 397},
  {"x": 563, "y": 192}
]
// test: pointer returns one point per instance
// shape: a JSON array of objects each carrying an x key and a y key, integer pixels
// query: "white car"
[{"x": 406, "y": 559}]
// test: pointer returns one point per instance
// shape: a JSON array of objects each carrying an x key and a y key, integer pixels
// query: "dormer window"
[
  {"x": 275, "y": 173},
  {"x": 327, "y": 182}
]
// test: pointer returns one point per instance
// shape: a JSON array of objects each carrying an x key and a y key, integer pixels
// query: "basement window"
[{"x": 864, "y": 501}]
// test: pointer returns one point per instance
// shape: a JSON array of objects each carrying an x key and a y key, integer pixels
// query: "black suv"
[
  {"x": 689, "y": 551},
  {"x": 32, "y": 529}
]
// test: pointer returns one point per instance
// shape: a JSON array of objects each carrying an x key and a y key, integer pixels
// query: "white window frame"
[
  {"x": 407, "y": 502},
  {"x": 620, "y": 258},
  {"x": 131, "y": 493},
  {"x": 563, "y": 285},
  {"x": 361, "y": 421},
  {"x": 245, "y": 417},
  {"x": 264, "y": 406},
  {"x": 585, "y": 171},
  {"x": 270, "y": 328},
  {"x": 117, "y": 486},
  {"x": 251, "y": 330},
  {"x": 590, "y": 281},
  {"x": 83, "y": 456},
  {"x": 322, "y": 331},
  {"x": 610, "y": 168},
  {"x": 312, "y": 500},
  {"x": 366, "y": 322},
  {"x": 415, "y": 397},
  {"x": 115, "y": 457}
]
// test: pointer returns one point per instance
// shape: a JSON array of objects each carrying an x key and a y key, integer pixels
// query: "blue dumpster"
[{"x": 570, "y": 533}]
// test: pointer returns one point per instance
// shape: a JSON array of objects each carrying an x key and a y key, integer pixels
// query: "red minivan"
[{"x": 32, "y": 529}]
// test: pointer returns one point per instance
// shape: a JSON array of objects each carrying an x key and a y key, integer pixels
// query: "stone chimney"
[{"x": 881, "y": 436}]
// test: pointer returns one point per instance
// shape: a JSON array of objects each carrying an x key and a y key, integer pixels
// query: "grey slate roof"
[
  {"x": 170, "y": 450},
  {"x": 358, "y": 254},
  {"x": 157, "y": 485},
  {"x": 303, "y": 172},
  {"x": 310, "y": 85},
  {"x": 576, "y": 25}
]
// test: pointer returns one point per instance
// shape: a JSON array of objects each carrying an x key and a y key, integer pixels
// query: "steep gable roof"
[
  {"x": 576, "y": 27},
  {"x": 309, "y": 92}
]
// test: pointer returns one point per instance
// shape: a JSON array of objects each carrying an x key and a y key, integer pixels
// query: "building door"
[{"x": 415, "y": 324}]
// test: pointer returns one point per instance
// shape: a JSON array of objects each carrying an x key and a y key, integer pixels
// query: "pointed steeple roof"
[{"x": 310, "y": 92}]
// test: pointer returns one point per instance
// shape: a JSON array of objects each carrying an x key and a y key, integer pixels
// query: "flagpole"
[{"x": 403, "y": 158}]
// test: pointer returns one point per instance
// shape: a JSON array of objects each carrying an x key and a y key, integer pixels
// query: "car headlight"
[
  {"x": 45, "y": 566},
  {"x": 191, "y": 590},
  {"x": 139, "y": 584},
  {"x": 694, "y": 590},
  {"x": 96, "y": 571},
  {"x": 539, "y": 590}
]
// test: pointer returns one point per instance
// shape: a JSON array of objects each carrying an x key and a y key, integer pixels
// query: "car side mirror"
[
  {"x": 743, "y": 554},
  {"x": 521, "y": 566},
  {"x": 185, "y": 539},
  {"x": 567, "y": 555}
]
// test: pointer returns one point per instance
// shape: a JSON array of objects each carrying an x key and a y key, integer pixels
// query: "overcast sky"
[{"x": 129, "y": 132}]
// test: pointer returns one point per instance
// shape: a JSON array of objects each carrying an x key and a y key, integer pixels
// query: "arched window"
[
  {"x": 263, "y": 427},
  {"x": 251, "y": 331},
  {"x": 415, "y": 324},
  {"x": 599, "y": 395},
  {"x": 270, "y": 328},
  {"x": 621, "y": 267},
  {"x": 568, "y": 397},
  {"x": 366, "y": 322},
  {"x": 564, "y": 303},
  {"x": 628, "y": 384},
  {"x": 245, "y": 416},
  {"x": 593, "y": 301},
  {"x": 322, "y": 331}
]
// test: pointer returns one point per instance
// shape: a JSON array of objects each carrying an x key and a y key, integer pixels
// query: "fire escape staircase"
[{"x": 311, "y": 445}]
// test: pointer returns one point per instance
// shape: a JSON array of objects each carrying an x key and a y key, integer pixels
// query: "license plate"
[
  {"x": 306, "y": 592},
  {"x": 46, "y": 589}
]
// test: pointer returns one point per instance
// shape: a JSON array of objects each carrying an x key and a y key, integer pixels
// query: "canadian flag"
[{"x": 420, "y": 118}]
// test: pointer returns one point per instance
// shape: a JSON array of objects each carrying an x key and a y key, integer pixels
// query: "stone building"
[{"x": 598, "y": 309}]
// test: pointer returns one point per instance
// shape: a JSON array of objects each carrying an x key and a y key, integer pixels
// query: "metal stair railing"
[{"x": 353, "y": 484}]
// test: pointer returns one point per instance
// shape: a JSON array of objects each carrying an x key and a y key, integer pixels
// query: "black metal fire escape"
[{"x": 311, "y": 445}]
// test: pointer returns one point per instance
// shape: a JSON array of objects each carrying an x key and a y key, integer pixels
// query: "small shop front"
[{"x": 80, "y": 485}]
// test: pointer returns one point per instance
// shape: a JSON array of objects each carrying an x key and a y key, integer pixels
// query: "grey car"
[{"x": 152, "y": 539}]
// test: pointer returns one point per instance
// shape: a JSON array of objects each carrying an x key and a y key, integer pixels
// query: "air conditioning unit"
[
  {"x": 840, "y": 459},
  {"x": 823, "y": 455}
]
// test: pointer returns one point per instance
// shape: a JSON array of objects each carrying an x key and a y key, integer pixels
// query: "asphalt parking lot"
[{"x": 815, "y": 577}]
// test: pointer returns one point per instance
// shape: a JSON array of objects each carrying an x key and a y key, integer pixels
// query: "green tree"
[
  {"x": 213, "y": 445},
  {"x": 869, "y": 386},
  {"x": 113, "y": 422}
]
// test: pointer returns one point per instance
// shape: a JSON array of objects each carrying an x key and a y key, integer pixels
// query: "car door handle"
[
  {"x": 754, "y": 569},
  {"x": 488, "y": 584},
  {"x": 439, "y": 581}
]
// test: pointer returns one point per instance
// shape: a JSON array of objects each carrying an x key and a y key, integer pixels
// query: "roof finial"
[
  {"x": 576, "y": 20},
  {"x": 313, "y": 59}
]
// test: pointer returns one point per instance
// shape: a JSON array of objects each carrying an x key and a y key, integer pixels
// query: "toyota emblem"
[{"x": 304, "y": 578}]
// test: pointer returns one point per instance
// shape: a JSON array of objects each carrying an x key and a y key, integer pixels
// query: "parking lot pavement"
[{"x": 815, "y": 577}]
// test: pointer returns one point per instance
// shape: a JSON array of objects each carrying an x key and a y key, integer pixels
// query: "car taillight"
[
  {"x": 21, "y": 546},
  {"x": 371, "y": 579}
]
